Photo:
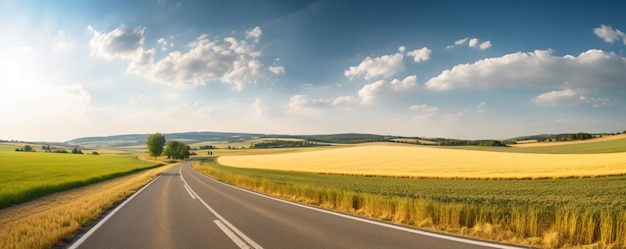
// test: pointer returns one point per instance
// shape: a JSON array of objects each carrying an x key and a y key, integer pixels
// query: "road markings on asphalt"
[
  {"x": 189, "y": 192},
  {"x": 94, "y": 228},
  {"x": 224, "y": 222},
  {"x": 231, "y": 235}
]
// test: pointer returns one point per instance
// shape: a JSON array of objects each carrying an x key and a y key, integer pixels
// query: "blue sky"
[{"x": 461, "y": 69}]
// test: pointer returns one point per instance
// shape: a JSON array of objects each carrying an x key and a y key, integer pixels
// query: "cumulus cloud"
[
  {"x": 553, "y": 98},
  {"x": 254, "y": 33},
  {"x": 370, "y": 93},
  {"x": 386, "y": 66},
  {"x": 422, "y": 54},
  {"x": 122, "y": 42},
  {"x": 230, "y": 60},
  {"x": 277, "y": 70},
  {"x": 568, "y": 97},
  {"x": 471, "y": 42},
  {"x": 485, "y": 45},
  {"x": 593, "y": 69},
  {"x": 609, "y": 35},
  {"x": 302, "y": 103},
  {"x": 163, "y": 43}
]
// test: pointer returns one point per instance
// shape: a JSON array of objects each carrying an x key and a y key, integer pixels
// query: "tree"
[
  {"x": 177, "y": 150},
  {"x": 155, "y": 143},
  {"x": 28, "y": 148}
]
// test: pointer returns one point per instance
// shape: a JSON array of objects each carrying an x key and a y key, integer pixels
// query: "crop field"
[
  {"x": 428, "y": 162},
  {"x": 552, "y": 197},
  {"x": 550, "y": 213},
  {"x": 28, "y": 175}
]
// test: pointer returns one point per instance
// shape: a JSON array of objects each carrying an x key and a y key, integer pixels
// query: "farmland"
[
  {"x": 552, "y": 200},
  {"x": 420, "y": 162},
  {"x": 28, "y": 175}
]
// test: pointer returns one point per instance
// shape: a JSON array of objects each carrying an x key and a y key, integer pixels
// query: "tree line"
[{"x": 173, "y": 150}]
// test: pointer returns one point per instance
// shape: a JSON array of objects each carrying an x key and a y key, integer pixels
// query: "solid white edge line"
[
  {"x": 101, "y": 222},
  {"x": 231, "y": 235},
  {"x": 231, "y": 226},
  {"x": 189, "y": 192},
  {"x": 401, "y": 228}
]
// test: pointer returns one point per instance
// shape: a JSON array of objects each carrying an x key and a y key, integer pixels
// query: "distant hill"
[{"x": 140, "y": 139}]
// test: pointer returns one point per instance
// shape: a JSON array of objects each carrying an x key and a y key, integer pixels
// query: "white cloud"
[
  {"x": 461, "y": 41},
  {"x": 299, "y": 104},
  {"x": 254, "y": 33},
  {"x": 142, "y": 62},
  {"x": 472, "y": 42},
  {"x": 373, "y": 92},
  {"x": 485, "y": 45},
  {"x": 386, "y": 66},
  {"x": 122, "y": 42},
  {"x": 556, "y": 98},
  {"x": 424, "y": 111},
  {"x": 230, "y": 61},
  {"x": 609, "y": 35},
  {"x": 277, "y": 70},
  {"x": 163, "y": 44},
  {"x": 422, "y": 54},
  {"x": 593, "y": 69},
  {"x": 77, "y": 94},
  {"x": 568, "y": 97}
]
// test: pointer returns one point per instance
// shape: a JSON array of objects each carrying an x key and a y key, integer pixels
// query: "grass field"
[
  {"x": 28, "y": 175},
  {"x": 421, "y": 161}
]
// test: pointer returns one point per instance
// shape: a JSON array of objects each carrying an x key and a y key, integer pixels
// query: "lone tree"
[{"x": 155, "y": 144}]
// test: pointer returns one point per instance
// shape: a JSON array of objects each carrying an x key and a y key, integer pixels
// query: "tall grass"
[{"x": 547, "y": 223}]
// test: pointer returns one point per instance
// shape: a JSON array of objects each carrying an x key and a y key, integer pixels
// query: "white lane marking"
[
  {"x": 231, "y": 235},
  {"x": 387, "y": 225},
  {"x": 93, "y": 229},
  {"x": 189, "y": 192},
  {"x": 231, "y": 226}
]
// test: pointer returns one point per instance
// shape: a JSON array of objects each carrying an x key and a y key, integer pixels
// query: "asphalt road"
[{"x": 185, "y": 209}]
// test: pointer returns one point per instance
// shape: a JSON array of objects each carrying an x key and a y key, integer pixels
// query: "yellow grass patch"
[
  {"x": 534, "y": 143},
  {"x": 437, "y": 163}
]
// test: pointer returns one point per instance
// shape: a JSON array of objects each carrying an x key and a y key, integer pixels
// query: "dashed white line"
[
  {"x": 222, "y": 219},
  {"x": 231, "y": 235}
]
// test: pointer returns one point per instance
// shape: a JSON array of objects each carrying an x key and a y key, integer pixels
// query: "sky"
[{"x": 455, "y": 69}]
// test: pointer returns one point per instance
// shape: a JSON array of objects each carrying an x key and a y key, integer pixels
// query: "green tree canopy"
[
  {"x": 155, "y": 144},
  {"x": 177, "y": 150}
]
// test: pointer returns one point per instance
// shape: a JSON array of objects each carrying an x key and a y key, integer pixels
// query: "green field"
[
  {"x": 28, "y": 175},
  {"x": 610, "y": 146}
]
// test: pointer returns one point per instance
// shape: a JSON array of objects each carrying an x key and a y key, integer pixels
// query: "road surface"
[{"x": 185, "y": 209}]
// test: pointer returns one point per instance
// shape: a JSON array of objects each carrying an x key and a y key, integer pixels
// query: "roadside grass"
[
  {"x": 26, "y": 175},
  {"x": 47, "y": 221},
  {"x": 549, "y": 213},
  {"x": 431, "y": 162}
]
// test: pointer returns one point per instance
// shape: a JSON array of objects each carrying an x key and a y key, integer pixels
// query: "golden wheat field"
[{"x": 436, "y": 162}]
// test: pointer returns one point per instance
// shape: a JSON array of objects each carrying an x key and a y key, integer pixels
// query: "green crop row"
[
  {"x": 560, "y": 211},
  {"x": 25, "y": 176}
]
